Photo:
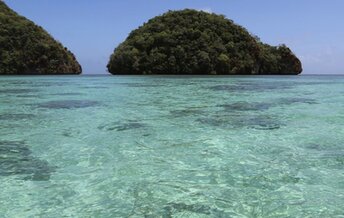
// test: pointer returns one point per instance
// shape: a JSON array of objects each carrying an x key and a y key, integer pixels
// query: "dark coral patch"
[
  {"x": 246, "y": 106},
  {"x": 251, "y": 87},
  {"x": 186, "y": 112},
  {"x": 17, "y": 159},
  {"x": 172, "y": 209},
  {"x": 259, "y": 122},
  {"x": 17, "y": 91},
  {"x": 287, "y": 101},
  {"x": 14, "y": 117},
  {"x": 68, "y": 104},
  {"x": 122, "y": 126},
  {"x": 67, "y": 94}
]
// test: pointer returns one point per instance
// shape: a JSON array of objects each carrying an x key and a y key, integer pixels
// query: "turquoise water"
[{"x": 102, "y": 146}]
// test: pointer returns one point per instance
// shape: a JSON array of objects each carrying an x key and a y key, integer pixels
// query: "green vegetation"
[
  {"x": 195, "y": 42},
  {"x": 28, "y": 49}
]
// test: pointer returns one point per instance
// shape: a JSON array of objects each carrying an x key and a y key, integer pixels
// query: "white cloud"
[
  {"x": 323, "y": 60},
  {"x": 207, "y": 10}
]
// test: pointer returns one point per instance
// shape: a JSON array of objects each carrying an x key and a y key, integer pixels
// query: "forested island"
[
  {"x": 196, "y": 42},
  {"x": 26, "y": 48}
]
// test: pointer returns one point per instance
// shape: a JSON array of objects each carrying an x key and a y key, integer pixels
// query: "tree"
[
  {"x": 26, "y": 48},
  {"x": 195, "y": 42}
]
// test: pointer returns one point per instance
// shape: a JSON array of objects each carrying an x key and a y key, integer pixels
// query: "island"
[
  {"x": 195, "y": 42},
  {"x": 27, "y": 49}
]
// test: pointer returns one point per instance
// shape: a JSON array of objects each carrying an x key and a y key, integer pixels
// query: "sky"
[{"x": 91, "y": 29}]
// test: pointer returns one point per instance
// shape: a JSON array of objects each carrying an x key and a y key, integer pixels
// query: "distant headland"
[
  {"x": 27, "y": 49},
  {"x": 195, "y": 42}
]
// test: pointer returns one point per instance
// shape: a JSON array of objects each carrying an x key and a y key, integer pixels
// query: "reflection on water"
[{"x": 101, "y": 146}]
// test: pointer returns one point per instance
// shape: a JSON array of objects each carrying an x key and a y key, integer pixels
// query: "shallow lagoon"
[{"x": 172, "y": 147}]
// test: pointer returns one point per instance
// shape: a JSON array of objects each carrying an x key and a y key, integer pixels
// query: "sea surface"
[{"x": 131, "y": 146}]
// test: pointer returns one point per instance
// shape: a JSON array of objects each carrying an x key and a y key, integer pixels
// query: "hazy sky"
[{"x": 91, "y": 29}]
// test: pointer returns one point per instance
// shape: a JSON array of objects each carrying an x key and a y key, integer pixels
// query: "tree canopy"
[
  {"x": 196, "y": 42},
  {"x": 26, "y": 48}
]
